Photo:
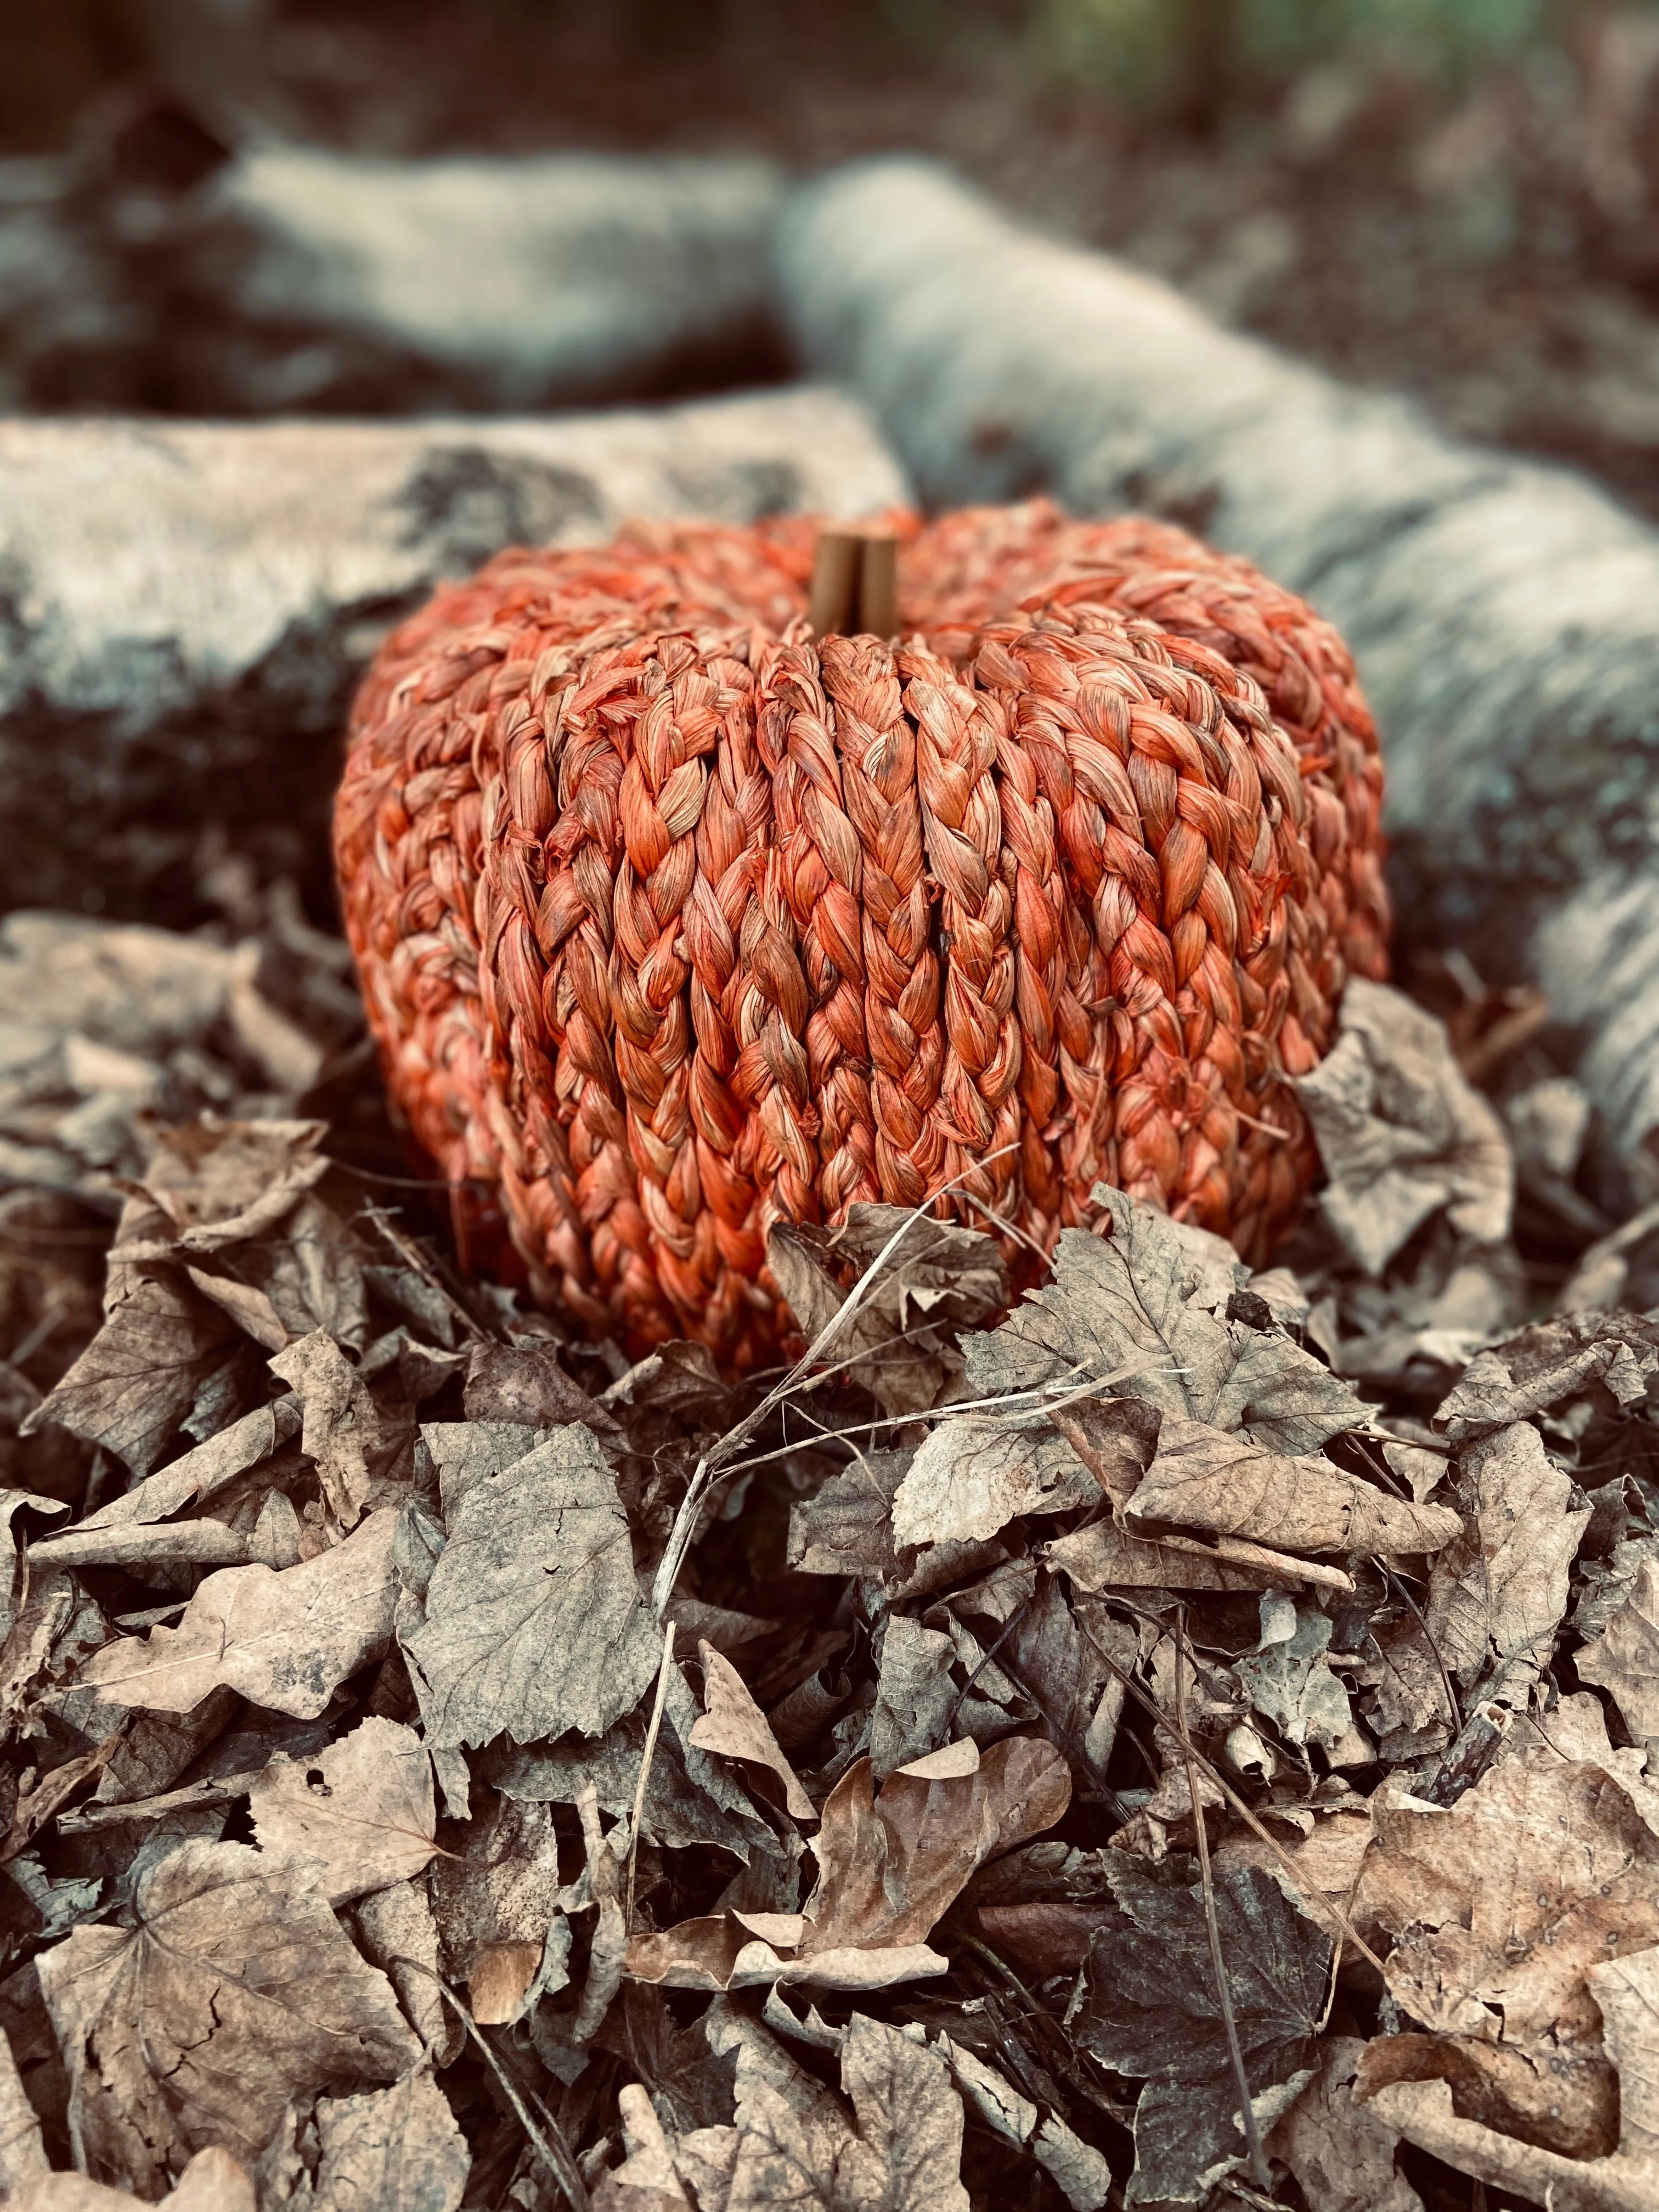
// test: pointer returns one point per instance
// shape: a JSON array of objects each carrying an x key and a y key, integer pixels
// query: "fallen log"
[
  {"x": 1504, "y": 614},
  {"x": 184, "y": 607},
  {"x": 158, "y": 269}
]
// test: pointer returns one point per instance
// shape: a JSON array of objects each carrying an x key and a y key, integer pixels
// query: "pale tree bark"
[
  {"x": 184, "y": 607},
  {"x": 1504, "y": 614}
]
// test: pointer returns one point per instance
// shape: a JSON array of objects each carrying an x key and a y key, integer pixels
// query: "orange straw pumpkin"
[{"x": 675, "y": 919}]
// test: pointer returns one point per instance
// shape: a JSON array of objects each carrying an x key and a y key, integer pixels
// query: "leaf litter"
[{"x": 449, "y": 1763}]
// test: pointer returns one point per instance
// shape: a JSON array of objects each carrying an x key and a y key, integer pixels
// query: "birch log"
[
  {"x": 1504, "y": 614},
  {"x": 184, "y": 606},
  {"x": 157, "y": 271}
]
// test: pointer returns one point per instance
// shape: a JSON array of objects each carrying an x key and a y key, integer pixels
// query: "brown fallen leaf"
[
  {"x": 363, "y": 1808},
  {"x": 361, "y": 1457},
  {"x": 1341, "y": 2152},
  {"x": 498, "y": 1908},
  {"x": 938, "y": 1279},
  {"x": 235, "y": 1990},
  {"x": 137, "y": 1379},
  {"x": 524, "y": 1383},
  {"x": 1402, "y": 1131},
  {"x": 219, "y": 1182},
  {"x": 283, "y": 1640},
  {"x": 1562, "y": 2094},
  {"x": 1500, "y": 1589},
  {"x": 1152, "y": 1304},
  {"x": 213, "y": 2181},
  {"x": 397, "y": 1931},
  {"x": 732, "y": 1726},
  {"x": 1626, "y": 1992},
  {"x": 1203, "y": 1478},
  {"x": 1103, "y": 1556},
  {"x": 395, "y": 2150},
  {"x": 534, "y": 1622},
  {"x": 1048, "y": 1938},
  {"x": 915, "y": 1694},
  {"x": 889, "y": 1866},
  {"x": 1624, "y": 1659},
  {"x": 974, "y": 1472},
  {"x": 1324, "y": 1865},
  {"x": 1501, "y": 1902},
  {"x": 1548, "y": 1364},
  {"x": 199, "y": 1474},
  {"x": 41, "y": 1799},
  {"x": 646, "y": 2181},
  {"x": 22, "y": 2156},
  {"x": 899, "y": 2152}
]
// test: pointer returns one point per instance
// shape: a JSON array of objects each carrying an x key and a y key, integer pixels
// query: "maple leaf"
[
  {"x": 1152, "y": 2012},
  {"x": 235, "y": 1990}
]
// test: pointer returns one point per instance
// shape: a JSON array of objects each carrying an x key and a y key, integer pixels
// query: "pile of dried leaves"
[{"x": 1182, "y": 1742}]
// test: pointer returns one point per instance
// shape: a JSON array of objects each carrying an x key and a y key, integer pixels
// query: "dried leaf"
[
  {"x": 1625, "y": 1658},
  {"x": 498, "y": 1909},
  {"x": 608, "y": 1947},
  {"x": 225, "y": 1182},
  {"x": 1561, "y": 2093},
  {"x": 734, "y": 1727},
  {"x": 21, "y": 2156},
  {"x": 363, "y": 1808},
  {"x": 900, "y": 2154},
  {"x": 974, "y": 1473},
  {"x": 533, "y": 1619},
  {"x": 396, "y": 2150},
  {"x": 1341, "y": 2152},
  {"x": 1289, "y": 1679},
  {"x": 688, "y": 1800},
  {"x": 137, "y": 989},
  {"x": 234, "y": 1991},
  {"x": 1103, "y": 1556},
  {"x": 398, "y": 1932},
  {"x": 1626, "y": 1992},
  {"x": 525, "y": 1384},
  {"x": 356, "y": 1449},
  {"x": 1502, "y": 1901},
  {"x": 1152, "y": 2012},
  {"x": 914, "y": 1694},
  {"x": 847, "y": 1527},
  {"x": 137, "y": 1379},
  {"x": 1501, "y": 1588},
  {"x": 1402, "y": 1133},
  {"x": 283, "y": 1640},
  {"x": 199, "y": 1475},
  {"x": 1149, "y": 1305},
  {"x": 307, "y": 1276},
  {"x": 889, "y": 1866},
  {"x": 1546, "y": 1366},
  {"x": 1202, "y": 1479},
  {"x": 213, "y": 2181},
  {"x": 938, "y": 1279}
]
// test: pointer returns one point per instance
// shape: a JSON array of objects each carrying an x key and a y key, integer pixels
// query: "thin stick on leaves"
[{"x": 1259, "y": 2173}]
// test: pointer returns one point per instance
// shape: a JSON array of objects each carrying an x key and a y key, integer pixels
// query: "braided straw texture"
[{"x": 674, "y": 921}]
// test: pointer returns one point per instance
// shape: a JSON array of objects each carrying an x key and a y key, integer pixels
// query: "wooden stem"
[{"x": 854, "y": 583}]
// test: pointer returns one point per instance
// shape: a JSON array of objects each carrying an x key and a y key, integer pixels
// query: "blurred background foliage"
[
  {"x": 1196, "y": 59},
  {"x": 1187, "y": 62}
]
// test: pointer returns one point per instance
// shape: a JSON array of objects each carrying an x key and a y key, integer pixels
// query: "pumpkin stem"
[{"x": 854, "y": 582}]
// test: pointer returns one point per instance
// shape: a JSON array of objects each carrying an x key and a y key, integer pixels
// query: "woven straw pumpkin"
[{"x": 675, "y": 919}]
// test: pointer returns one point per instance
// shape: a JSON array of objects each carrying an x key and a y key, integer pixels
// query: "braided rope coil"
[{"x": 674, "y": 921}]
